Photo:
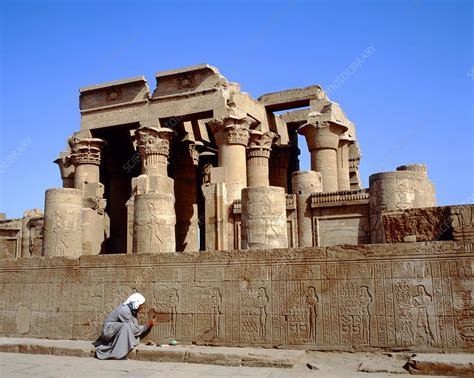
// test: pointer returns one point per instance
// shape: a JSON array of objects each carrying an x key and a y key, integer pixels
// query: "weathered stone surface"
[
  {"x": 264, "y": 218},
  {"x": 406, "y": 188},
  {"x": 115, "y": 93},
  {"x": 383, "y": 296},
  {"x": 304, "y": 183},
  {"x": 63, "y": 223},
  {"x": 435, "y": 364},
  {"x": 292, "y": 98},
  {"x": 462, "y": 220},
  {"x": 10, "y": 238},
  {"x": 154, "y": 223},
  {"x": 430, "y": 223}
]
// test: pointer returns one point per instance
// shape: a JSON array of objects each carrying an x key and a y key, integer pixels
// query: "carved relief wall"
[{"x": 417, "y": 296}]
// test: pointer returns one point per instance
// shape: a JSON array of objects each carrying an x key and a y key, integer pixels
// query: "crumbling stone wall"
[
  {"x": 411, "y": 295},
  {"x": 454, "y": 222}
]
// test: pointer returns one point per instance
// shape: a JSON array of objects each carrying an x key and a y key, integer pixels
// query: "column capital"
[
  {"x": 153, "y": 141},
  {"x": 354, "y": 156},
  {"x": 231, "y": 130},
  {"x": 85, "y": 150},
  {"x": 189, "y": 150},
  {"x": 260, "y": 143},
  {"x": 321, "y": 133}
]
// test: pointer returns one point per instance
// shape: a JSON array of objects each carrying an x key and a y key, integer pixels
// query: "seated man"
[{"x": 121, "y": 332}]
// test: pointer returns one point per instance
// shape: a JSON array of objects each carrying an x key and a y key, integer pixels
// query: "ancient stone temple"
[{"x": 192, "y": 195}]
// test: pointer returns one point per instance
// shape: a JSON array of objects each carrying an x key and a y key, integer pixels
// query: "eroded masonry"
[{"x": 197, "y": 185}]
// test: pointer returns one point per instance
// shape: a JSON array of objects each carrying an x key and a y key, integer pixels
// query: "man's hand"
[{"x": 151, "y": 322}]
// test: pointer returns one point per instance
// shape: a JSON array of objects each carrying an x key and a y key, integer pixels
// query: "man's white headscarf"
[{"x": 135, "y": 300}]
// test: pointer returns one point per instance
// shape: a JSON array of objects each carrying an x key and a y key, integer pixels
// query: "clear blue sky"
[{"x": 411, "y": 100}]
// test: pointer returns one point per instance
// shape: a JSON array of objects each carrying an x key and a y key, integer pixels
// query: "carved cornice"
[
  {"x": 340, "y": 196},
  {"x": 85, "y": 150}
]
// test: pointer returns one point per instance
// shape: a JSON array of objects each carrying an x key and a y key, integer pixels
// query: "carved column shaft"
[
  {"x": 63, "y": 223},
  {"x": 323, "y": 141},
  {"x": 304, "y": 183},
  {"x": 279, "y": 162},
  {"x": 232, "y": 136},
  {"x": 258, "y": 154},
  {"x": 343, "y": 181},
  {"x": 186, "y": 206},
  {"x": 154, "y": 216}
]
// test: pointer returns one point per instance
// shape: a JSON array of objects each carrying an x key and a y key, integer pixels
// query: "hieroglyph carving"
[
  {"x": 253, "y": 313},
  {"x": 355, "y": 313},
  {"x": 165, "y": 310}
]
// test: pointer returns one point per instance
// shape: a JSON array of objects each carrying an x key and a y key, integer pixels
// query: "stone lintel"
[
  {"x": 297, "y": 117},
  {"x": 292, "y": 98},
  {"x": 195, "y": 79},
  {"x": 114, "y": 83},
  {"x": 114, "y": 93}
]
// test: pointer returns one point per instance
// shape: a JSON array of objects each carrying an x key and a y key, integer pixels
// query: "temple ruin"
[{"x": 192, "y": 194}]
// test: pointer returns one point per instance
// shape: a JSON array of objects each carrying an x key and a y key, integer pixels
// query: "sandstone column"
[
  {"x": 323, "y": 140},
  {"x": 85, "y": 156},
  {"x": 232, "y": 136},
  {"x": 263, "y": 213},
  {"x": 304, "y": 183},
  {"x": 216, "y": 216},
  {"x": 345, "y": 140},
  {"x": 354, "y": 162},
  {"x": 185, "y": 186},
  {"x": 154, "y": 215},
  {"x": 279, "y": 162},
  {"x": 406, "y": 188},
  {"x": 264, "y": 218},
  {"x": 258, "y": 153},
  {"x": 63, "y": 223},
  {"x": 66, "y": 168}
]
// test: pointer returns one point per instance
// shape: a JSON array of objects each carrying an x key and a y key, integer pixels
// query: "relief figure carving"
[
  {"x": 209, "y": 303},
  {"x": 311, "y": 302},
  {"x": 165, "y": 311},
  {"x": 413, "y": 318},
  {"x": 61, "y": 231},
  {"x": 421, "y": 301}
]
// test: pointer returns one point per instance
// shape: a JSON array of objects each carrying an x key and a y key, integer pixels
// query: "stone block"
[{"x": 115, "y": 93}]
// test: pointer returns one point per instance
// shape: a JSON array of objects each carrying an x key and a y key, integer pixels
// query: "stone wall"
[
  {"x": 410, "y": 295},
  {"x": 455, "y": 222}
]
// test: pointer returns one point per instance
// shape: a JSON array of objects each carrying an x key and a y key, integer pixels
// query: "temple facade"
[
  {"x": 200, "y": 165},
  {"x": 164, "y": 185}
]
